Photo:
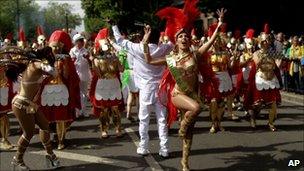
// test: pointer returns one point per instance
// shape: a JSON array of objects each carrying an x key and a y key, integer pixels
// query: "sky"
[{"x": 76, "y": 8}]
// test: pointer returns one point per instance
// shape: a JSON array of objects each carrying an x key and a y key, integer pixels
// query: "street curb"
[{"x": 292, "y": 97}]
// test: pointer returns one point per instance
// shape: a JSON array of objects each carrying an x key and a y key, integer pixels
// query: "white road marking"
[
  {"x": 89, "y": 158},
  {"x": 154, "y": 165}
]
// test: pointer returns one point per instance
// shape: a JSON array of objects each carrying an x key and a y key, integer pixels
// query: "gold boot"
[
  {"x": 117, "y": 122},
  {"x": 61, "y": 131},
  {"x": 104, "y": 123},
  {"x": 185, "y": 123},
  {"x": 4, "y": 131},
  {"x": 272, "y": 116},
  {"x": 17, "y": 161},
  {"x": 213, "y": 114},
  {"x": 231, "y": 113},
  {"x": 220, "y": 113},
  {"x": 186, "y": 152}
]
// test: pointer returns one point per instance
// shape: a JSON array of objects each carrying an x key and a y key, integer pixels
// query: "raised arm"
[
  {"x": 133, "y": 48},
  {"x": 204, "y": 48},
  {"x": 147, "y": 55}
]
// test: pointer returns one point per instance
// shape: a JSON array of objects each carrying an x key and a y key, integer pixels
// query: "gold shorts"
[{"x": 21, "y": 102}]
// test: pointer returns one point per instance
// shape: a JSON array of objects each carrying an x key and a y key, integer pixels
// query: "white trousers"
[
  {"x": 147, "y": 101},
  {"x": 83, "y": 85}
]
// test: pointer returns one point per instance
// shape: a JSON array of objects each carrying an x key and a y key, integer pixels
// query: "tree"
[
  {"x": 55, "y": 16},
  {"x": 29, "y": 11}
]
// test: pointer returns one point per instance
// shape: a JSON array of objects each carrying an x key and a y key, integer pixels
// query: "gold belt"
[{"x": 21, "y": 102}]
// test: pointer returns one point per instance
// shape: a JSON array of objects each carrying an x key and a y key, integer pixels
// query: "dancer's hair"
[{"x": 16, "y": 59}]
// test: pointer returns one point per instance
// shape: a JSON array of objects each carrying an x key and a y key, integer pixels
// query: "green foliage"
[
  {"x": 55, "y": 17},
  {"x": 124, "y": 12},
  {"x": 29, "y": 11},
  {"x": 51, "y": 18}
]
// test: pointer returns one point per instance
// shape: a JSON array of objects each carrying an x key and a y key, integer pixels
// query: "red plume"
[
  {"x": 21, "y": 35},
  {"x": 250, "y": 33},
  {"x": 9, "y": 36},
  {"x": 191, "y": 12},
  {"x": 175, "y": 20},
  {"x": 237, "y": 34},
  {"x": 266, "y": 28},
  {"x": 63, "y": 37},
  {"x": 102, "y": 34},
  {"x": 39, "y": 30}
]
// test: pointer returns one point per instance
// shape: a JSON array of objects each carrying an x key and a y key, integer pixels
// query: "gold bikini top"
[{"x": 186, "y": 63}]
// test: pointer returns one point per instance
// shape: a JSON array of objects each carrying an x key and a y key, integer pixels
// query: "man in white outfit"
[
  {"x": 80, "y": 56},
  {"x": 147, "y": 78}
]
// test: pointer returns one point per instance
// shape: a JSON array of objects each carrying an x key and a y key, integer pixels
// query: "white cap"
[{"x": 77, "y": 37}]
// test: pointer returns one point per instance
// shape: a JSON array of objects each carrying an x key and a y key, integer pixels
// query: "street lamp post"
[
  {"x": 18, "y": 15},
  {"x": 67, "y": 22}
]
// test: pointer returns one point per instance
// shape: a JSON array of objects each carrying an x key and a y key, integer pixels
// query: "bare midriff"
[{"x": 29, "y": 91}]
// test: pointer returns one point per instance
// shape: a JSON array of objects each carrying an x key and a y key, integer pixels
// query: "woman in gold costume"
[{"x": 183, "y": 70}]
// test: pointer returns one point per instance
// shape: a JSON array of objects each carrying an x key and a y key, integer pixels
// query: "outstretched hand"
[
  {"x": 221, "y": 13},
  {"x": 147, "y": 30}
]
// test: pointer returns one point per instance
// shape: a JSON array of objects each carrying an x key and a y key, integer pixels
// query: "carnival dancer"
[
  {"x": 105, "y": 91},
  {"x": 22, "y": 40},
  {"x": 80, "y": 56},
  {"x": 41, "y": 39},
  {"x": 32, "y": 66},
  {"x": 245, "y": 64},
  {"x": 221, "y": 61},
  {"x": 183, "y": 69},
  {"x": 60, "y": 95},
  {"x": 6, "y": 95},
  {"x": 264, "y": 80},
  {"x": 8, "y": 40},
  {"x": 147, "y": 78}
]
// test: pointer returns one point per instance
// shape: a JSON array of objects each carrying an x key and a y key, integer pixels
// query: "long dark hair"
[{"x": 17, "y": 65}]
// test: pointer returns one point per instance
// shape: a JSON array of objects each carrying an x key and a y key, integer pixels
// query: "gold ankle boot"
[{"x": 186, "y": 152}]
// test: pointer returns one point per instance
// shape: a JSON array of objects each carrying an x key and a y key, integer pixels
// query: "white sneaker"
[
  {"x": 163, "y": 154},
  {"x": 142, "y": 152}
]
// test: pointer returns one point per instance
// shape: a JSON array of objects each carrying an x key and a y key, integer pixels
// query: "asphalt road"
[{"x": 238, "y": 148}]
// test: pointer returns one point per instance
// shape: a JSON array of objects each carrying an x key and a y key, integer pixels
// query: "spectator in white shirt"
[
  {"x": 80, "y": 56},
  {"x": 147, "y": 78}
]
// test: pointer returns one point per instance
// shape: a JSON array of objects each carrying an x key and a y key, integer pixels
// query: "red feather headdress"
[
  {"x": 21, "y": 35},
  {"x": 102, "y": 34},
  {"x": 179, "y": 19},
  {"x": 62, "y": 37}
]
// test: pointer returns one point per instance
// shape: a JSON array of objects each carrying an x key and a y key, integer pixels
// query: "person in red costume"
[
  {"x": 105, "y": 92},
  {"x": 264, "y": 80},
  {"x": 60, "y": 95},
  {"x": 6, "y": 95}
]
